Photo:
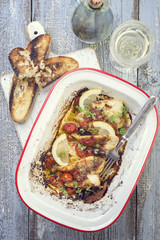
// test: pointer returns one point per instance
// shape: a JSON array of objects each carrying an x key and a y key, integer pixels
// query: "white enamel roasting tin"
[{"x": 74, "y": 214}]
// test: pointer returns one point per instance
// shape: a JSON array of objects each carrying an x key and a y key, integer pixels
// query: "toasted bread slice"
[
  {"x": 25, "y": 62},
  {"x": 21, "y": 63},
  {"x": 22, "y": 94},
  {"x": 39, "y": 48},
  {"x": 53, "y": 68}
]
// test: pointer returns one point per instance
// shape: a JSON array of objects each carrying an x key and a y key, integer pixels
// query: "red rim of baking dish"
[{"x": 108, "y": 74}]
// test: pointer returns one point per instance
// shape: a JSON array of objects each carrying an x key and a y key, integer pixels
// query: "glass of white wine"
[{"x": 131, "y": 45}]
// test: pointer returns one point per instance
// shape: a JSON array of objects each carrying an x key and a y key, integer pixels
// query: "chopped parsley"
[
  {"x": 75, "y": 183},
  {"x": 93, "y": 129},
  {"x": 122, "y": 131},
  {"x": 119, "y": 115},
  {"x": 79, "y": 190},
  {"x": 88, "y": 189},
  {"x": 86, "y": 108},
  {"x": 79, "y": 108},
  {"x": 125, "y": 109},
  {"x": 82, "y": 147},
  {"x": 112, "y": 118},
  {"x": 64, "y": 191},
  {"x": 87, "y": 111},
  {"x": 82, "y": 130},
  {"x": 90, "y": 114},
  {"x": 97, "y": 145},
  {"x": 62, "y": 154}
]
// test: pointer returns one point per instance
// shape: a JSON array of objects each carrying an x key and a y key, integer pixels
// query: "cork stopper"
[{"x": 95, "y": 3}]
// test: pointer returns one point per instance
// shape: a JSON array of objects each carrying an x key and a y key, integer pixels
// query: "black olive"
[
  {"x": 83, "y": 132},
  {"x": 80, "y": 196},
  {"x": 99, "y": 152}
]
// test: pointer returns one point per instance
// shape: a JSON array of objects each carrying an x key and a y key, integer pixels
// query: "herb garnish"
[
  {"x": 64, "y": 191},
  {"x": 90, "y": 114},
  {"x": 82, "y": 130},
  {"x": 87, "y": 111},
  {"x": 93, "y": 129},
  {"x": 113, "y": 118},
  {"x": 125, "y": 109},
  {"x": 79, "y": 190},
  {"x": 75, "y": 183},
  {"x": 82, "y": 147},
  {"x": 86, "y": 108},
  {"x": 119, "y": 115},
  {"x": 79, "y": 108},
  {"x": 97, "y": 145},
  {"x": 62, "y": 154},
  {"x": 122, "y": 131},
  {"x": 88, "y": 189}
]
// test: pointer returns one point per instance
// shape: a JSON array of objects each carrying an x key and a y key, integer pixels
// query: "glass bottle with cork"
[{"x": 92, "y": 21}]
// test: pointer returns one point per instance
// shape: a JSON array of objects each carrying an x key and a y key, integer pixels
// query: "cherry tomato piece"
[
  {"x": 60, "y": 183},
  {"x": 71, "y": 191},
  {"x": 66, "y": 177},
  {"x": 84, "y": 124},
  {"x": 83, "y": 153},
  {"x": 70, "y": 127},
  {"x": 87, "y": 119},
  {"x": 51, "y": 180},
  {"x": 89, "y": 152},
  {"x": 49, "y": 161},
  {"x": 80, "y": 152}
]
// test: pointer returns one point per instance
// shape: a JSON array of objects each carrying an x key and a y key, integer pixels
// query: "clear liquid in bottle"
[{"x": 92, "y": 25}]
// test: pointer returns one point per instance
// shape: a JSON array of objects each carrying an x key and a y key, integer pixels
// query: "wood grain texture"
[
  {"x": 56, "y": 19},
  {"x": 125, "y": 226},
  {"x": 148, "y": 194},
  {"x": 13, "y": 214}
]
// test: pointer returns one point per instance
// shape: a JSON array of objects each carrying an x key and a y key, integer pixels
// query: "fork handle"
[{"x": 141, "y": 115}]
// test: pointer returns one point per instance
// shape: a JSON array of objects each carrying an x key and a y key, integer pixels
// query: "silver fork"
[{"x": 113, "y": 155}]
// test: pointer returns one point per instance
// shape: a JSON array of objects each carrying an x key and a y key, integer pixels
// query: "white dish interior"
[{"x": 104, "y": 212}]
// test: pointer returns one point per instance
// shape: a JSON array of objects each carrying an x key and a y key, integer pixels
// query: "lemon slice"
[
  {"x": 88, "y": 97},
  {"x": 104, "y": 128},
  {"x": 60, "y": 150}
]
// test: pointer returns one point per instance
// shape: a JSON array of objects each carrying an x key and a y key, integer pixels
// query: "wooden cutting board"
[{"x": 86, "y": 58}]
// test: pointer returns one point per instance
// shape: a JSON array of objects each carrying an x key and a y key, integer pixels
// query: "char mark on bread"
[{"x": 39, "y": 48}]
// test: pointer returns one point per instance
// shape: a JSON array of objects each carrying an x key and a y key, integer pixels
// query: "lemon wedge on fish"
[
  {"x": 88, "y": 97},
  {"x": 104, "y": 128},
  {"x": 60, "y": 150}
]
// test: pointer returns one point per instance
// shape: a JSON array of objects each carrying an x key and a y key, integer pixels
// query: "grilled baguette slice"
[
  {"x": 21, "y": 63},
  {"x": 39, "y": 48},
  {"x": 22, "y": 95},
  {"x": 53, "y": 68},
  {"x": 25, "y": 62}
]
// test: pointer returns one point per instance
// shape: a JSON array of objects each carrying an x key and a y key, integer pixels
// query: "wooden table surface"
[{"x": 141, "y": 217}]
